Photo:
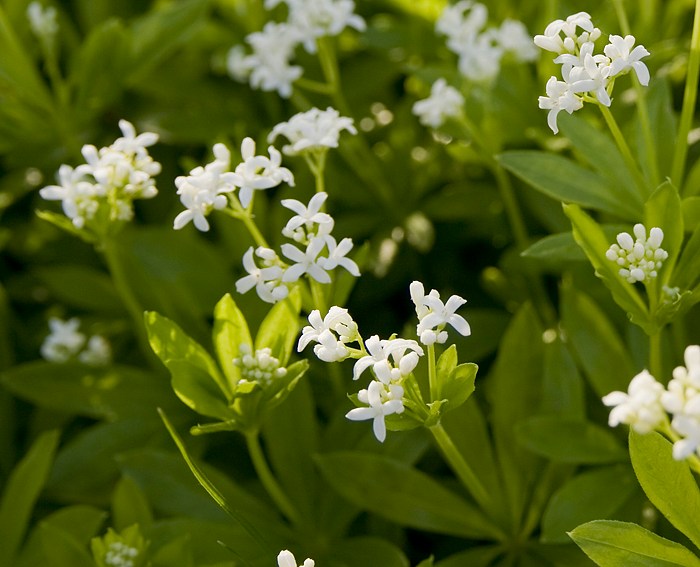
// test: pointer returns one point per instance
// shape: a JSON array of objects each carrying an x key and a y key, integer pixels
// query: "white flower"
[
  {"x": 97, "y": 353},
  {"x": 689, "y": 428},
  {"x": 204, "y": 190},
  {"x": 433, "y": 314},
  {"x": 639, "y": 260},
  {"x": 64, "y": 341},
  {"x": 287, "y": 559},
  {"x": 306, "y": 262},
  {"x": 382, "y": 400},
  {"x": 259, "y": 366},
  {"x": 552, "y": 39},
  {"x": 309, "y": 220},
  {"x": 623, "y": 58},
  {"x": 313, "y": 19},
  {"x": 480, "y": 60},
  {"x": 514, "y": 38},
  {"x": 559, "y": 97},
  {"x": 312, "y": 130},
  {"x": 268, "y": 67},
  {"x": 331, "y": 333},
  {"x": 388, "y": 359},
  {"x": 444, "y": 102},
  {"x": 258, "y": 172},
  {"x": 640, "y": 407},
  {"x": 336, "y": 256},
  {"x": 683, "y": 390},
  {"x": 42, "y": 20},
  {"x": 267, "y": 280},
  {"x": 238, "y": 64},
  {"x": 461, "y": 23},
  {"x": 120, "y": 555},
  {"x": 78, "y": 195},
  {"x": 587, "y": 73}
]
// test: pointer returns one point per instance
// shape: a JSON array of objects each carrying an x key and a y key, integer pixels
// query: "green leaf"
[
  {"x": 562, "y": 384},
  {"x": 691, "y": 210},
  {"x": 591, "y": 238},
  {"x": 446, "y": 365},
  {"x": 687, "y": 270},
  {"x": 600, "y": 152},
  {"x": 663, "y": 209},
  {"x": 481, "y": 556},
  {"x": 565, "y": 180},
  {"x": 365, "y": 550},
  {"x": 81, "y": 287},
  {"x": 130, "y": 506},
  {"x": 401, "y": 494},
  {"x": 591, "y": 495},
  {"x": 280, "y": 328},
  {"x": 621, "y": 544},
  {"x": 178, "y": 351},
  {"x": 109, "y": 392},
  {"x": 664, "y": 122},
  {"x": 197, "y": 390},
  {"x": 21, "y": 492},
  {"x": 596, "y": 343},
  {"x": 669, "y": 484},
  {"x": 459, "y": 386},
  {"x": 230, "y": 331},
  {"x": 557, "y": 248},
  {"x": 62, "y": 549},
  {"x": 64, "y": 223},
  {"x": 567, "y": 440},
  {"x": 177, "y": 551}
]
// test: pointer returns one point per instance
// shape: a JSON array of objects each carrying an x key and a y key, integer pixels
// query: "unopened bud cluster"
[
  {"x": 120, "y": 555},
  {"x": 639, "y": 259},
  {"x": 259, "y": 366}
]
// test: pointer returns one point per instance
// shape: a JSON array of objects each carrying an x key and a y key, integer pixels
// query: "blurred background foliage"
[{"x": 424, "y": 204}]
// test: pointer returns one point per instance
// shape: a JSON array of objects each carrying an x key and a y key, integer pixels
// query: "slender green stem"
[
  {"x": 318, "y": 296},
  {"x": 314, "y": 86},
  {"x": 268, "y": 479},
  {"x": 132, "y": 304},
  {"x": 689, "y": 98},
  {"x": 463, "y": 471},
  {"x": 655, "y": 361},
  {"x": 432, "y": 373},
  {"x": 249, "y": 223},
  {"x": 624, "y": 148},
  {"x": 642, "y": 108}
]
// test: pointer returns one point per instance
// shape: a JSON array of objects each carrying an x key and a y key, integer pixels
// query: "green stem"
[
  {"x": 623, "y": 147},
  {"x": 689, "y": 97},
  {"x": 432, "y": 373},
  {"x": 249, "y": 223},
  {"x": 464, "y": 472},
  {"x": 318, "y": 296},
  {"x": 132, "y": 304},
  {"x": 655, "y": 363},
  {"x": 642, "y": 108},
  {"x": 268, "y": 479},
  {"x": 314, "y": 86}
]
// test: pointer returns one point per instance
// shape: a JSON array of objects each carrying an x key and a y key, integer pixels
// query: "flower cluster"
[
  {"x": 313, "y": 130},
  {"x": 639, "y": 259},
  {"x": 268, "y": 67},
  {"x": 259, "y": 366},
  {"x": 434, "y": 315},
  {"x": 42, "y": 20},
  {"x": 104, "y": 188},
  {"x": 332, "y": 333},
  {"x": 120, "y": 555},
  {"x": 286, "y": 559},
  {"x": 444, "y": 102},
  {"x": 646, "y": 402},
  {"x": 319, "y": 254},
  {"x": 208, "y": 188},
  {"x": 65, "y": 343},
  {"x": 587, "y": 76},
  {"x": 481, "y": 48}
]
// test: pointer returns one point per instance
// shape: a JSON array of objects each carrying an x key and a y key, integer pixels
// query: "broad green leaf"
[
  {"x": 230, "y": 331},
  {"x": 568, "y": 440},
  {"x": 459, "y": 386},
  {"x": 280, "y": 328},
  {"x": 601, "y": 153},
  {"x": 565, "y": 180},
  {"x": 63, "y": 549},
  {"x": 668, "y": 483},
  {"x": 557, "y": 248},
  {"x": 402, "y": 494},
  {"x": 663, "y": 121},
  {"x": 591, "y": 495},
  {"x": 596, "y": 343},
  {"x": 562, "y": 384},
  {"x": 691, "y": 210},
  {"x": 82, "y": 287},
  {"x": 687, "y": 270},
  {"x": 291, "y": 439},
  {"x": 446, "y": 364},
  {"x": 560, "y": 555},
  {"x": 177, "y": 551},
  {"x": 172, "y": 346},
  {"x": 514, "y": 388},
  {"x": 621, "y": 544},
  {"x": 130, "y": 506},
  {"x": 663, "y": 209},
  {"x": 366, "y": 550},
  {"x": 197, "y": 390},
  {"x": 99, "y": 392},
  {"x": 481, "y": 556},
  {"x": 21, "y": 492},
  {"x": 64, "y": 223},
  {"x": 591, "y": 238}
]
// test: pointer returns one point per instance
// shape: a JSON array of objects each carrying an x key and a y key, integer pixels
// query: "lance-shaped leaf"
[
  {"x": 663, "y": 209},
  {"x": 279, "y": 330},
  {"x": 230, "y": 331}
]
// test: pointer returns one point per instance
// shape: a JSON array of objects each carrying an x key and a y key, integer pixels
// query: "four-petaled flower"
[
  {"x": 286, "y": 559},
  {"x": 382, "y": 400}
]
